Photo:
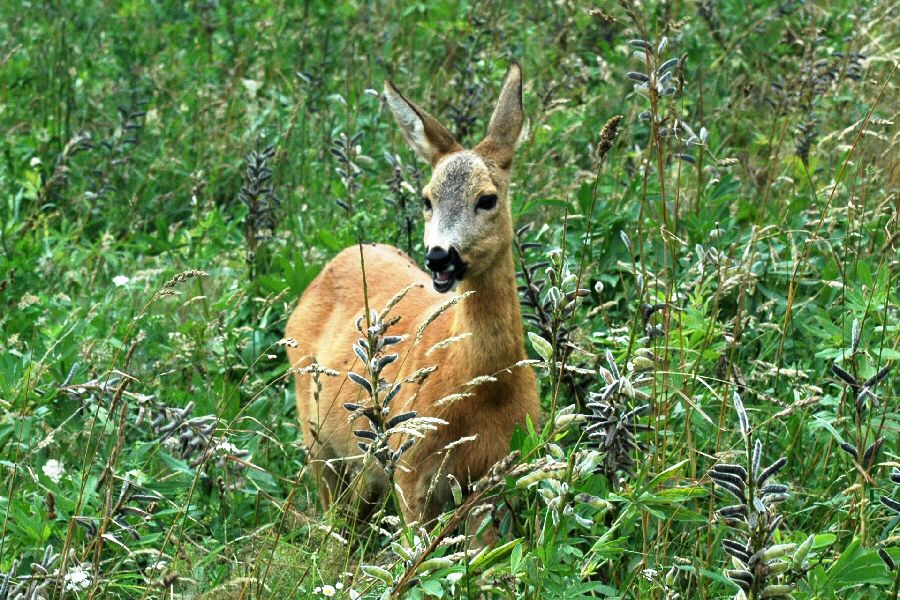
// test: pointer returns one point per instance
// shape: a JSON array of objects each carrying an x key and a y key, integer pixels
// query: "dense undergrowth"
[{"x": 720, "y": 407}]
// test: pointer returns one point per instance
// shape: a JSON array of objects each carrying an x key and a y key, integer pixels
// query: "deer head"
[{"x": 468, "y": 222}]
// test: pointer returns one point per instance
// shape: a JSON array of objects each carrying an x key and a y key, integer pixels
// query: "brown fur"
[{"x": 323, "y": 324}]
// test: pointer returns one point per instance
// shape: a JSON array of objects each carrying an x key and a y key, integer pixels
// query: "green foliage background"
[{"x": 125, "y": 126}]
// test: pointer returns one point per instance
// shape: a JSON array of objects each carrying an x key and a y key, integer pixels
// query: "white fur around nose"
[{"x": 441, "y": 233}]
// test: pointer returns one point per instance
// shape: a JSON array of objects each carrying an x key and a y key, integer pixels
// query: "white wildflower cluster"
[
  {"x": 77, "y": 579},
  {"x": 53, "y": 469},
  {"x": 329, "y": 591},
  {"x": 665, "y": 583}
]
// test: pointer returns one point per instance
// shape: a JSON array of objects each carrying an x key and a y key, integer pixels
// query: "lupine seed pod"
[
  {"x": 738, "y": 470},
  {"x": 877, "y": 377},
  {"x": 401, "y": 418},
  {"x": 758, "y": 505},
  {"x": 803, "y": 551},
  {"x": 538, "y": 475},
  {"x": 736, "y": 549},
  {"x": 720, "y": 477},
  {"x": 734, "y": 510},
  {"x": 777, "y": 567},
  {"x": 638, "y": 43},
  {"x": 455, "y": 489},
  {"x": 642, "y": 363},
  {"x": 777, "y": 551},
  {"x": 385, "y": 361},
  {"x": 733, "y": 490},
  {"x": 757, "y": 458},
  {"x": 594, "y": 501},
  {"x": 890, "y": 503},
  {"x": 666, "y": 66},
  {"x": 744, "y": 579},
  {"x": 774, "y": 488},
  {"x": 743, "y": 420},
  {"x": 772, "y": 470},
  {"x": 850, "y": 450},
  {"x": 872, "y": 452},
  {"x": 772, "y": 591},
  {"x": 361, "y": 382},
  {"x": 361, "y": 353},
  {"x": 441, "y": 562},
  {"x": 886, "y": 558},
  {"x": 854, "y": 336},
  {"x": 400, "y": 551},
  {"x": 379, "y": 573},
  {"x": 845, "y": 376},
  {"x": 563, "y": 421},
  {"x": 895, "y": 475},
  {"x": 391, "y": 394}
]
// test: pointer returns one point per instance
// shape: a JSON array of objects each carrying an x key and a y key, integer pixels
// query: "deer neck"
[{"x": 493, "y": 318}]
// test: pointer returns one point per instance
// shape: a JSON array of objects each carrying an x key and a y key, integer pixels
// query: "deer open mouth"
[{"x": 446, "y": 280}]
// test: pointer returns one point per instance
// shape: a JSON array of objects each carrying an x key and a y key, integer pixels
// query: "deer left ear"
[
  {"x": 506, "y": 122},
  {"x": 422, "y": 132}
]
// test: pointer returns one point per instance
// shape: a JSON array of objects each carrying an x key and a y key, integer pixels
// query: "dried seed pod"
[
  {"x": 851, "y": 450},
  {"x": 878, "y": 377},
  {"x": 845, "y": 376},
  {"x": 737, "y": 550},
  {"x": 720, "y": 478},
  {"x": 732, "y": 469},
  {"x": 772, "y": 470},
  {"x": 757, "y": 458},
  {"x": 744, "y": 579},
  {"x": 872, "y": 452},
  {"x": 892, "y": 504}
]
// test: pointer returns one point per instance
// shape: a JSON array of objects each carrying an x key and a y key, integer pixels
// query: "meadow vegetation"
[{"x": 708, "y": 245}]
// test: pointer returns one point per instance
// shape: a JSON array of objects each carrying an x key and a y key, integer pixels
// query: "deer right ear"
[{"x": 422, "y": 132}]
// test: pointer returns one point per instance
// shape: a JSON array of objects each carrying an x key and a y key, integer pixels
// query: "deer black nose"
[{"x": 438, "y": 259}]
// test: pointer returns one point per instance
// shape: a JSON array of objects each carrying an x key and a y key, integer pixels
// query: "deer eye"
[
  {"x": 486, "y": 202},
  {"x": 426, "y": 203}
]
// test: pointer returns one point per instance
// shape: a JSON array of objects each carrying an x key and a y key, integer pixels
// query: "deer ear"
[
  {"x": 422, "y": 132},
  {"x": 506, "y": 122}
]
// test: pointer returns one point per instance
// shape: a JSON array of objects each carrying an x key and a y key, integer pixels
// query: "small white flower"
[
  {"x": 35, "y": 161},
  {"x": 328, "y": 591},
  {"x": 339, "y": 585},
  {"x": 354, "y": 595},
  {"x": 77, "y": 579},
  {"x": 53, "y": 469},
  {"x": 120, "y": 280},
  {"x": 453, "y": 579}
]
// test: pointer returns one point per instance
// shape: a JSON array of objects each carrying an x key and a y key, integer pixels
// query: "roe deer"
[{"x": 468, "y": 241}]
